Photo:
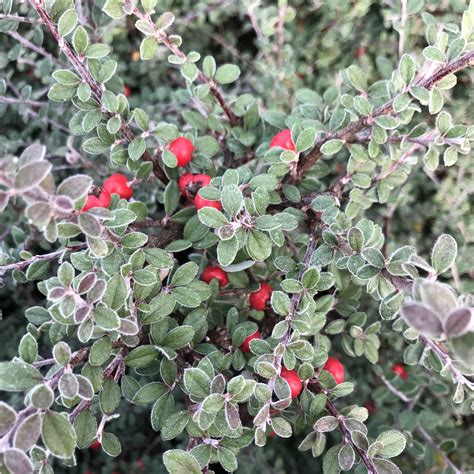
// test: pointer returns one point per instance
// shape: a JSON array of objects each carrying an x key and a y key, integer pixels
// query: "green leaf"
[
  {"x": 209, "y": 66},
  {"x": 85, "y": 426},
  {"x": 178, "y": 461},
  {"x": 357, "y": 78},
  {"x": 331, "y": 147},
  {"x": 432, "y": 53},
  {"x": 32, "y": 174},
  {"x": 281, "y": 303},
  {"x": 114, "y": 9},
  {"x": 28, "y": 348},
  {"x": 232, "y": 199},
  {"x": 211, "y": 217},
  {"x": 227, "y": 73},
  {"x": 227, "y": 459},
  {"x": 444, "y": 253},
  {"x": 136, "y": 148},
  {"x": 148, "y": 48},
  {"x": 67, "y": 22},
  {"x": 111, "y": 444},
  {"x": 58, "y": 435},
  {"x": 7, "y": 417},
  {"x": 387, "y": 122},
  {"x": 175, "y": 424},
  {"x": 197, "y": 382},
  {"x": 80, "y": 40},
  {"x": 185, "y": 274},
  {"x": 141, "y": 356},
  {"x": 106, "y": 318},
  {"x": 178, "y": 337},
  {"x": 259, "y": 246},
  {"x": 18, "y": 376},
  {"x": 227, "y": 251},
  {"x": 393, "y": 442},
  {"x": 109, "y": 397}
]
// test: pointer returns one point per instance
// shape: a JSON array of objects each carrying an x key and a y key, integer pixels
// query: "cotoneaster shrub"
[{"x": 246, "y": 248}]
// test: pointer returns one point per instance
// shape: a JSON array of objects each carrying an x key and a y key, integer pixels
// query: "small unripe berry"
[
  {"x": 291, "y": 376},
  {"x": 336, "y": 369},
  {"x": 283, "y": 140},
  {"x": 118, "y": 184},
  {"x": 400, "y": 370},
  {"x": 103, "y": 200},
  {"x": 209, "y": 273},
  {"x": 245, "y": 346},
  {"x": 258, "y": 299},
  {"x": 200, "y": 202},
  {"x": 183, "y": 149}
]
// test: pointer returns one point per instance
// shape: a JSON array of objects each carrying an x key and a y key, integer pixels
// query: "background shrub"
[{"x": 120, "y": 351}]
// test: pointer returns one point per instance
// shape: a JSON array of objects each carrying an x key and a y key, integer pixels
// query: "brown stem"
[
  {"x": 15, "y": 101},
  {"x": 427, "y": 437},
  {"x": 37, "y": 49},
  {"x": 369, "y": 464},
  {"x": 76, "y": 359},
  {"x": 163, "y": 38},
  {"x": 96, "y": 88},
  {"x": 46, "y": 256},
  {"x": 347, "y": 133},
  {"x": 447, "y": 362},
  {"x": 17, "y": 18}
]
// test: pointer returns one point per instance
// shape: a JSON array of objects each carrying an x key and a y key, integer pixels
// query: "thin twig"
[
  {"x": 447, "y": 362},
  {"x": 29, "y": 45},
  {"x": 427, "y": 437},
  {"x": 215, "y": 91},
  {"x": 76, "y": 359},
  {"x": 17, "y": 18},
  {"x": 280, "y": 35},
  {"x": 47, "y": 256},
  {"x": 396, "y": 392},
  {"x": 15, "y": 101},
  {"x": 96, "y": 88},
  {"x": 347, "y": 133},
  {"x": 369, "y": 464},
  {"x": 403, "y": 20}
]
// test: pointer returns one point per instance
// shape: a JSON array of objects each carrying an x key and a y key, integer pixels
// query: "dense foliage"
[{"x": 236, "y": 235}]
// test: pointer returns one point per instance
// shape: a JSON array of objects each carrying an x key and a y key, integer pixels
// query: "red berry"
[
  {"x": 95, "y": 444},
  {"x": 210, "y": 273},
  {"x": 93, "y": 201},
  {"x": 259, "y": 299},
  {"x": 118, "y": 184},
  {"x": 371, "y": 406},
  {"x": 200, "y": 202},
  {"x": 272, "y": 434},
  {"x": 283, "y": 140},
  {"x": 184, "y": 181},
  {"x": 335, "y": 368},
  {"x": 291, "y": 376},
  {"x": 183, "y": 149},
  {"x": 245, "y": 346},
  {"x": 399, "y": 369},
  {"x": 190, "y": 184},
  {"x": 127, "y": 91}
]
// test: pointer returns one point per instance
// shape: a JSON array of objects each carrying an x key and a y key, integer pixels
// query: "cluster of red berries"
[
  {"x": 190, "y": 183},
  {"x": 115, "y": 184}
]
